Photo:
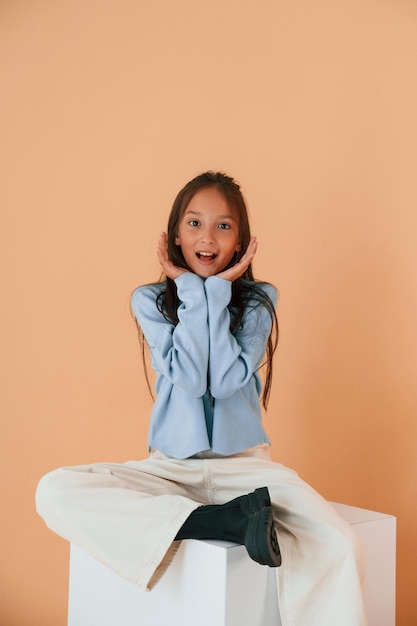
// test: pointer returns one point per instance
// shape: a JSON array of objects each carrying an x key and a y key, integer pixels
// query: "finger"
[
  {"x": 162, "y": 249},
  {"x": 253, "y": 246},
  {"x": 250, "y": 251},
  {"x": 162, "y": 242}
]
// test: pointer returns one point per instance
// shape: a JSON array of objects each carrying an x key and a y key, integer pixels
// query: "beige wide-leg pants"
[{"x": 127, "y": 516}]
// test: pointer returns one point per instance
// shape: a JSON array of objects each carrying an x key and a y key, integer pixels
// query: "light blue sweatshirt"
[{"x": 207, "y": 387}]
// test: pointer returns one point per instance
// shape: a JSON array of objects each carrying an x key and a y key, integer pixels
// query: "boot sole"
[{"x": 261, "y": 539}]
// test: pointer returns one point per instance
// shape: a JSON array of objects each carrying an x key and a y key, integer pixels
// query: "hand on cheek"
[
  {"x": 237, "y": 270},
  {"x": 170, "y": 270}
]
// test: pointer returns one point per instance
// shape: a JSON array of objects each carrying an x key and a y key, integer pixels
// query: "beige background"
[{"x": 108, "y": 108}]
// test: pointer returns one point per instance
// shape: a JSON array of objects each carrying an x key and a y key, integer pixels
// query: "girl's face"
[{"x": 208, "y": 233}]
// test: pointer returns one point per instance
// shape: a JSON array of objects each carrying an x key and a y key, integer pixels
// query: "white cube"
[{"x": 215, "y": 583}]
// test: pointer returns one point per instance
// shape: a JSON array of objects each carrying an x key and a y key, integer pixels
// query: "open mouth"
[{"x": 206, "y": 256}]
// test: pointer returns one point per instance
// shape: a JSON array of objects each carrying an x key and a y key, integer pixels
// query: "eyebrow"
[{"x": 220, "y": 217}]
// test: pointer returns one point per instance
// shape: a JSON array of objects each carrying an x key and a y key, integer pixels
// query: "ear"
[
  {"x": 177, "y": 240},
  {"x": 238, "y": 247}
]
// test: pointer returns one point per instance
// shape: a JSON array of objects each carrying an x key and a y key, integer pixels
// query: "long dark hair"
[{"x": 246, "y": 291}]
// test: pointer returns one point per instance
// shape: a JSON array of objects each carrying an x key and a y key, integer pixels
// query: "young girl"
[{"x": 209, "y": 326}]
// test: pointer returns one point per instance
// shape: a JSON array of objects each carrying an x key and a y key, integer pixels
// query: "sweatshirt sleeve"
[
  {"x": 234, "y": 358},
  {"x": 180, "y": 353}
]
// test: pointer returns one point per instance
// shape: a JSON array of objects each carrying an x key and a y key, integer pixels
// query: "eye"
[
  {"x": 194, "y": 223},
  {"x": 224, "y": 226}
]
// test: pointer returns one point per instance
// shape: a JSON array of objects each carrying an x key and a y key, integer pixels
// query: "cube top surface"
[{"x": 354, "y": 515}]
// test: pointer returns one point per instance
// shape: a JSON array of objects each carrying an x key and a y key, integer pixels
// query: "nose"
[{"x": 207, "y": 235}]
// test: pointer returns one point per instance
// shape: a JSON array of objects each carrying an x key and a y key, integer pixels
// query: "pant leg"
[
  {"x": 320, "y": 579},
  {"x": 126, "y": 515}
]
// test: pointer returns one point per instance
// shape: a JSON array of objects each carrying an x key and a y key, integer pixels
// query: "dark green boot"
[{"x": 247, "y": 520}]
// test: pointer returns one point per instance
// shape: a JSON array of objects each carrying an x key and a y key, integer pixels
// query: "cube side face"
[
  {"x": 94, "y": 592},
  {"x": 97, "y": 595},
  {"x": 251, "y": 591},
  {"x": 379, "y": 540}
]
